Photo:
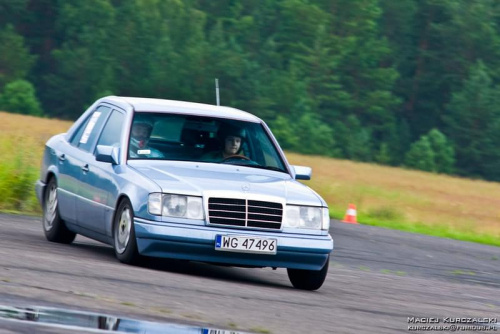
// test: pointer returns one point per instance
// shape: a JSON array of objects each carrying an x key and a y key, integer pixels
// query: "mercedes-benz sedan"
[{"x": 185, "y": 181}]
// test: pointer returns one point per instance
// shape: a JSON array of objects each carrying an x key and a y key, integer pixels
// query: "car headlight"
[
  {"x": 179, "y": 206},
  {"x": 309, "y": 217}
]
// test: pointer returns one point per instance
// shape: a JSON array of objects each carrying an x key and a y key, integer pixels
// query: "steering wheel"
[{"x": 236, "y": 156}]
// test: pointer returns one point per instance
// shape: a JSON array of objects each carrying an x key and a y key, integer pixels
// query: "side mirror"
[
  {"x": 302, "y": 172},
  {"x": 107, "y": 154}
]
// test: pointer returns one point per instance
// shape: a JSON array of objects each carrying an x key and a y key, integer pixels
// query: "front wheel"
[
  {"x": 308, "y": 279},
  {"x": 124, "y": 243},
  {"x": 54, "y": 228}
]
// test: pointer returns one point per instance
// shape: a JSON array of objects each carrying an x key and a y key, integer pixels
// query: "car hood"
[{"x": 224, "y": 180}]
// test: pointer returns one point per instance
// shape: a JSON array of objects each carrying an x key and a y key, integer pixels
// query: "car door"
[
  {"x": 68, "y": 177},
  {"x": 83, "y": 143},
  {"x": 99, "y": 188},
  {"x": 71, "y": 161}
]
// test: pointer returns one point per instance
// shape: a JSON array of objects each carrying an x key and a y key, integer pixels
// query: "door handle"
[
  {"x": 62, "y": 157},
  {"x": 85, "y": 168}
]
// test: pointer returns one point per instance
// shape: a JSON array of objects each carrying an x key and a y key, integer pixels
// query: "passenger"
[{"x": 139, "y": 140}]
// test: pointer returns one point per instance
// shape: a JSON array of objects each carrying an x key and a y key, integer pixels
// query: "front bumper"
[{"x": 197, "y": 243}]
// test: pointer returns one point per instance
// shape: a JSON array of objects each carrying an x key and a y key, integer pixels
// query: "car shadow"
[
  {"x": 214, "y": 271},
  {"x": 192, "y": 268},
  {"x": 102, "y": 250}
]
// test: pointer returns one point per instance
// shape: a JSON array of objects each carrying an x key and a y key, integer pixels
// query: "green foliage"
[
  {"x": 400, "y": 141},
  {"x": 444, "y": 153},
  {"x": 284, "y": 132},
  {"x": 432, "y": 152},
  {"x": 372, "y": 76},
  {"x": 19, "y": 97},
  {"x": 491, "y": 162},
  {"x": 83, "y": 63},
  {"x": 353, "y": 140},
  {"x": 308, "y": 135},
  {"x": 472, "y": 123},
  {"x": 314, "y": 137},
  {"x": 366, "y": 73},
  {"x": 12, "y": 11},
  {"x": 300, "y": 21},
  {"x": 421, "y": 156},
  {"x": 383, "y": 156},
  {"x": 15, "y": 59}
]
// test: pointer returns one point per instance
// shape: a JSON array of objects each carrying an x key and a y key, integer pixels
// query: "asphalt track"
[{"x": 378, "y": 279}]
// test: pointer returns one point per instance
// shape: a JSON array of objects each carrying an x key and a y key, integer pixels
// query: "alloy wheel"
[
  {"x": 50, "y": 207},
  {"x": 122, "y": 231}
]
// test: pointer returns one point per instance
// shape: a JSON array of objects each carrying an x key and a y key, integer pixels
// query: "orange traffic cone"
[{"x": 350, "y": 215}]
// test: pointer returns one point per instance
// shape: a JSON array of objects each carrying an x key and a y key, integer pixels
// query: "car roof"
[{"x": 160, "y": 105}]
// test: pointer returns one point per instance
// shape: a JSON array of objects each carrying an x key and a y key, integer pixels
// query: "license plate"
[
  {"x": 232, "y": 243},
  {"x": 218, "y": 331}
]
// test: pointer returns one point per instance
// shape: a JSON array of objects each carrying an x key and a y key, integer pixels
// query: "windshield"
[{"x": 202, "y": 139}]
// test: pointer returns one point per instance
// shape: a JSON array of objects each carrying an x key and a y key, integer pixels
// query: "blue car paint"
[
  {"x": 88, "y": 198},
  {"x": 174, "y": 240}
]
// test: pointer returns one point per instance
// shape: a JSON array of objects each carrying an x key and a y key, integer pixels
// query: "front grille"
[{"x": 245, "y": 213}]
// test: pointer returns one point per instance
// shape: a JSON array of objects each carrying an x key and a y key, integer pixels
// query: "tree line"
[{"x": 404, "y": 83}]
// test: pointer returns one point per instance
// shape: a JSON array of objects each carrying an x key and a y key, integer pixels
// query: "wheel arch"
[
  {"x": 52, "y": 172},
  {"x": 120, "y": 199},
  {"x": 48, "y": 177},
  {"x": 117, "y": 204}
]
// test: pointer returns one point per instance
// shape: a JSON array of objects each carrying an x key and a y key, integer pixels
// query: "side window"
[
  {"x": 86, "y": 135},
  {"x": 111, "y": 134},
  {"x": 78, "y": 134}
]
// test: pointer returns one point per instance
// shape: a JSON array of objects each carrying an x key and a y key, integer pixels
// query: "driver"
[
  {"x": 232, "y": 140},
  {"x": 232, "y": 146}
]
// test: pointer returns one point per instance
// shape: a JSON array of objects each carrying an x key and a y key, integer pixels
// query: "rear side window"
[
  {"x": 86, "y": 135},
  {"x": 111, "y": 134}
]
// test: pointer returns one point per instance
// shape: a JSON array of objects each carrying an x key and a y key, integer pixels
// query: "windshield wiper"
[
  {"x": 253, "y": 164},
  {"x": 268, "y": 168}
]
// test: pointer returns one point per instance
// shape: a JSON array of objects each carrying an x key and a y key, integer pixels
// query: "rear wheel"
[
  {"x": 124, "y": 243},
  {"x": 53, "y": 226},
  {"x": 308, "y": 279}
]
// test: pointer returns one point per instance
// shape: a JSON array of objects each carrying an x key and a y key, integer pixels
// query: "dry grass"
[
  {"x": 385, "y": 196},
  {"x": 27, "y": 134},
  {"x": 413, "y": 197}
]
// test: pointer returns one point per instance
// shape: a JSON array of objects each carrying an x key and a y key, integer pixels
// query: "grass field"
[
  {"x": 408, "y": 200},
  {"x": 22, "y": 139},
  {"x": 384, "y": 196}
]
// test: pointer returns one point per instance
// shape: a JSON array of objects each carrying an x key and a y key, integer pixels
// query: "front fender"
[{"x": 136, "y": 187}]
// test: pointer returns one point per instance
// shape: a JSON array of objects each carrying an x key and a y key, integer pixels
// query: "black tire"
[
  {"x": 124, "y": 242},
  {"x": 308, "y": 279},
  {"x": 53, "y": 226}
]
